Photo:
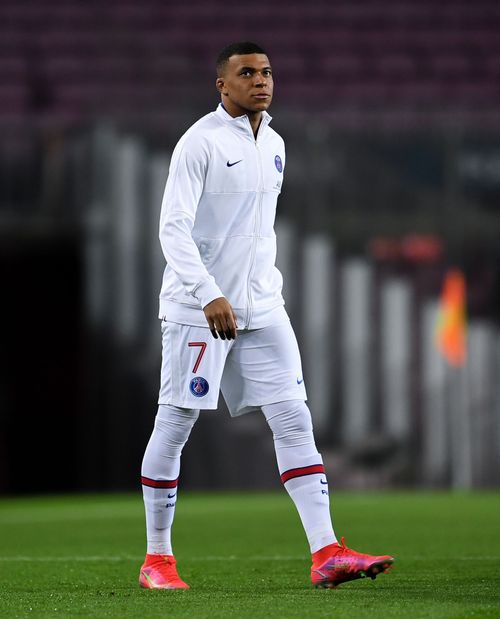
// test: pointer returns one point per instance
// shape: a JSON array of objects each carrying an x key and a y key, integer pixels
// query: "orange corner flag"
[{"x": 451, "y": 330}]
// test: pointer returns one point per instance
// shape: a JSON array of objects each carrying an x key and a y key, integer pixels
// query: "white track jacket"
[{"x": 217, "y": 222}]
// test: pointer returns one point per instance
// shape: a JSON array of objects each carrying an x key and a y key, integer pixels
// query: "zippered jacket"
[{"x": 217, "y": 222}]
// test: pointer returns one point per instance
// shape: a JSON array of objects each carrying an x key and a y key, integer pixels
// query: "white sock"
[
  {"x": 160, "y": 473},
  {"x": 301, "y": 468}
]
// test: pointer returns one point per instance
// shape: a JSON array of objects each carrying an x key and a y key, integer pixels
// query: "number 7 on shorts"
[{"x": 202, "y": 346}]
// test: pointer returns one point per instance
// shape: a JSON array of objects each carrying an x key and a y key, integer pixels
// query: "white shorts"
[{"x": 259, "y": 367}]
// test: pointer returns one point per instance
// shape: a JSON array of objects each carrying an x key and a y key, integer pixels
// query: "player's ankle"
[
  {"x": 154, "y": 558},
  {"x": 321, "y": 555}
]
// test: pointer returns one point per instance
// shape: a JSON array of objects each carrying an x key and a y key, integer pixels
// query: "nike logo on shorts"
[
  {"x": 229, "y": 165},
  {"x": 300, "y": 381},
  {"x": 171, "y": 496}
]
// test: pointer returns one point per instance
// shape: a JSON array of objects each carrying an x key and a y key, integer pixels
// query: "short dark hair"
[{"x": 236, "y": 49}]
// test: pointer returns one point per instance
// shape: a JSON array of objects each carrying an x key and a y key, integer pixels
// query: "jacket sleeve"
[{"x": 183, "y": 191}]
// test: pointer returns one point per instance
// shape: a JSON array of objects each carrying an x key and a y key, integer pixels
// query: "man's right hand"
[{"x": 221, "y": 318}]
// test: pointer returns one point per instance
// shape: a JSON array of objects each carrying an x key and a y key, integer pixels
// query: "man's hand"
[{"x": 221, "y": 318}]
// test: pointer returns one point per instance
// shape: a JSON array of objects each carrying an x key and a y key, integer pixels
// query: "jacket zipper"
[{"x": 257, "y": 220}]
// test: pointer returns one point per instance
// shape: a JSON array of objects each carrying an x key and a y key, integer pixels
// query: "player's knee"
[
  {"x": 175, "y": 423},
  {"x": 171, "y": 431},
  {"x": 290, "y": 422}
]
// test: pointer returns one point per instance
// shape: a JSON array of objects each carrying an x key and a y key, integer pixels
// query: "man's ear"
[{"x": 219, "y": 84}]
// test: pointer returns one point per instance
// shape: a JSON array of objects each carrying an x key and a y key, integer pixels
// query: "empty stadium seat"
[{"x": 349, "y": 52}]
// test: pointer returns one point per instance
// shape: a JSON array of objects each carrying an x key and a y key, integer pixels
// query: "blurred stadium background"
[{"x": 391, "y": 114}]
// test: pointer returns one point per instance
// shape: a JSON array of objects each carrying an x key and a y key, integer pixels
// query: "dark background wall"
[{"x": 390, "y": 112}]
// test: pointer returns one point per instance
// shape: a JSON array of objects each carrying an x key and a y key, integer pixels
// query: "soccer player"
[{"x": 224, "y": 325}]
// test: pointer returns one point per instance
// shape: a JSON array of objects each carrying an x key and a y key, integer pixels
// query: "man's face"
[{"x": 246, "y": 84}]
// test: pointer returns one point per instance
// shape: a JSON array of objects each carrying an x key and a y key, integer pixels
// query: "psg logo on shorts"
[
  {"x": 278, "y": 163},
  {"x": 198, "y": 386}
]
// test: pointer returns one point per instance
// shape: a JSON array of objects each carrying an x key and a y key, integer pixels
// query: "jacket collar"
[{"x": 242, "y": 123}]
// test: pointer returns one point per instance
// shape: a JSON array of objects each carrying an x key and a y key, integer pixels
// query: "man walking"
[{"x": 224, "y": 325}]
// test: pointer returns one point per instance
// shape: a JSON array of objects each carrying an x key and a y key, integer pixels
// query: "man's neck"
[{"x": 255, "y": 118}]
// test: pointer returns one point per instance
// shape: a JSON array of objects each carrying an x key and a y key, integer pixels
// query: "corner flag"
[{"x": 451, "y": 326}]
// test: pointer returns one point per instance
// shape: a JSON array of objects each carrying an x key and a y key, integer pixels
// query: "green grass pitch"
[{"x": 245, "y": 555}]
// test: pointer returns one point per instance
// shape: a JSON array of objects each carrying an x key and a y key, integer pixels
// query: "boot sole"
[{"x": 379, "y": 567}]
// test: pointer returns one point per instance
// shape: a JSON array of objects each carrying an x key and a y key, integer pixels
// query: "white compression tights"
[
  {"x": 160, "y": 472},
  {"x": 301, "y": 468}
]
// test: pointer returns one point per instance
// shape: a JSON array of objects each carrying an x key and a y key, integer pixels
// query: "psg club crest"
[
  {"x": 278, "y": 163},
  {"x": 198, "y": 386}
]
